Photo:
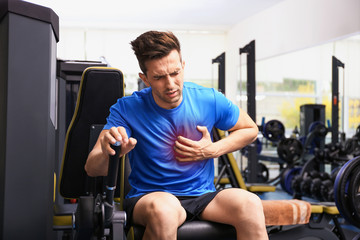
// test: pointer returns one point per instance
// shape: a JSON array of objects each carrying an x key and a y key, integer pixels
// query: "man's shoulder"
[
  {"x": 195, "y": 87},
  {"x": 136, "y": 99},
  {"x": 201, "y": 95},
  {"x": 138, "y": 95}
]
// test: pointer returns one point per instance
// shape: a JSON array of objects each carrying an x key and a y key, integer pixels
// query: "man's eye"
[{"x": 174, "y": 73}]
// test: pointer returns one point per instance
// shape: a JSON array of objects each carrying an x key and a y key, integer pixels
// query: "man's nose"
[{"x": 170, "y": 81}]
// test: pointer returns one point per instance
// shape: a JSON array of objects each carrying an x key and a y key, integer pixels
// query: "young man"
[{"x": 165, "y": 130}]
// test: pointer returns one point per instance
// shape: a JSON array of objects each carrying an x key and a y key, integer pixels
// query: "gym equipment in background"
[
  {"x": 347, "y": 191},
  {"x": 99, "y": 89},
  {"x": 249, "y": 49},
  {"x": 273, "y": 130},
  {"x": 310, "y": 113},
  {"x": 323, "y": 214},
  {"x": 336, "y": 63},
  {"x": 98, "y": 217},
  {"x": 221, "y": 71},
  {"x": 290, "y": 150},
  {"x": 68, "y": 73},
  {"x": 309, "y": 178}
]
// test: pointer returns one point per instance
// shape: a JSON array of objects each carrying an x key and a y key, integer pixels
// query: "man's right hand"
[
  {"x": 117, "y": 134},
  {"x": 97, "y": 161}
]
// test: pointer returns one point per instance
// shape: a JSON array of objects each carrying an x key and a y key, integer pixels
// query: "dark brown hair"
[{"x": 153, "y": 45}]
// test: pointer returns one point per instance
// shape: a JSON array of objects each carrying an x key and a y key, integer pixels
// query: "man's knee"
[
  {"x": 247, "y": 203},
  {"x": 162, "y": 208},
  {"x": 255, "y": 201}
]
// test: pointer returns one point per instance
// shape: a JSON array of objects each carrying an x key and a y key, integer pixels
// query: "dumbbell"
[
  {"x": 320, "y": 186},
  {"x": 327, "y": 190},
  {"x": 307, "y": 181}
]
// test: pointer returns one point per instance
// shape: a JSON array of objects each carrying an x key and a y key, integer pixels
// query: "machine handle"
[{"x": 112, "y": 173}]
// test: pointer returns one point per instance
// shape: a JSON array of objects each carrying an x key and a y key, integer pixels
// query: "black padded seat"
[{"x": 199, "y": 230}]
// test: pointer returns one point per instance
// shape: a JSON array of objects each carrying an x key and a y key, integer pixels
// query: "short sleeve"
[
  {"x": 226, "y": 113},
  {"x": 115, "y": 118}
]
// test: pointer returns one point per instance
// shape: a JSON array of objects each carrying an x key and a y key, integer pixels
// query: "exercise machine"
[{"x": 28, "y": 35}]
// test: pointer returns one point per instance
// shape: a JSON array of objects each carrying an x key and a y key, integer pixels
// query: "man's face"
[{"x": 166, "y": 78}]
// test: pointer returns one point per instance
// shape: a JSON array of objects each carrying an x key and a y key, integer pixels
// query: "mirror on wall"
[{"x": 285, "y": 82}]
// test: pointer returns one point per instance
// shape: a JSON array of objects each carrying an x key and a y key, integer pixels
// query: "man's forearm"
[
  {"x": 235, "y": 140},
  {"x": 96, "y": 164}
]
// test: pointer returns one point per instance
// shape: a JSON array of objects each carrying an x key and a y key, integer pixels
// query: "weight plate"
[
  {"x": 334, "y": 173},
  {"x": 287, "y": 179},
  {"x": 283, "y": 176},
  {"x": 262, "y": 175},
  {"x": 290, "y": 150},
  {"x": 274, "y": 130},
  {"x": 343, "y": 191},
  {"x": 354, "y": 193}
]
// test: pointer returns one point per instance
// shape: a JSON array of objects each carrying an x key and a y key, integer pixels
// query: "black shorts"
[{"x": 192, "y": 205}]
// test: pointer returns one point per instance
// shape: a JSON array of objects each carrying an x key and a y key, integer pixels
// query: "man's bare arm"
[{"x": 98, "y": 159}]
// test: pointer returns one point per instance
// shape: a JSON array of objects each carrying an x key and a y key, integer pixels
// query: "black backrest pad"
[{"x": 99, "y": 90}]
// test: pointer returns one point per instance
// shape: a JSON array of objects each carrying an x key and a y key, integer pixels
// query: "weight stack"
[{"x": 310, "y": 113}]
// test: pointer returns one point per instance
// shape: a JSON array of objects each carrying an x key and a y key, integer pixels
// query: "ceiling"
[{"x": 207, "y": 15}]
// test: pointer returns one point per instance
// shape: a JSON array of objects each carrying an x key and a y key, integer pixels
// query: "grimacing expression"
[{"x": 165, "y": 76}]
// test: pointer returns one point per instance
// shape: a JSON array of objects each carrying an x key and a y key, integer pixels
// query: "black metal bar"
[
  {"x": 225, "y": 166},
  {"x": 335, "y": 100},
  {"x": 111, "y": 182},
  {"x": 220, "y": 176},
  {"x": 249, "y": 49},
  {"x": 221, "y": 79},
  {"x": 251, "y": 81}
]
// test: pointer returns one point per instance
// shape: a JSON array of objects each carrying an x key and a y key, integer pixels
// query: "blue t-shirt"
[{"x": 153, "y": 163}]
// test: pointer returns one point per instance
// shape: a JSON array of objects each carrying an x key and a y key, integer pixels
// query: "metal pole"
[
  {"x": 221, "y": 79},
  {"x": 335, "y": 100},
  {"x": 249, "y": 49}
]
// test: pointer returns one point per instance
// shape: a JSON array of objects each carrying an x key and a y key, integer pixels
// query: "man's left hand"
[{"x": 190, "y": 150}]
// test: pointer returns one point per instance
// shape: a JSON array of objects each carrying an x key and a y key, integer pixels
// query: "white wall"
[{"x": 289, "y": 26}]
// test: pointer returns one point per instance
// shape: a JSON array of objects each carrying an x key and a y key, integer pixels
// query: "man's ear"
[{"x": 144, "y": 79}]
